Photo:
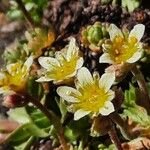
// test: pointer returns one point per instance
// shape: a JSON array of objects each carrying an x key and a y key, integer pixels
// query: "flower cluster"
[{"x": 92, "y": 94}]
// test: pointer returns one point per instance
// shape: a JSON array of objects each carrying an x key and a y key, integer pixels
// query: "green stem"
[
  {"x": 25, "y": 12},
  {"x": 55, "y": 121},
  {"x": 143, "y": 88}
]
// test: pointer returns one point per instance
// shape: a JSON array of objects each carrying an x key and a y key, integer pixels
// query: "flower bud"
[
  {"x": 14, "y": 100},
  {"x": 93, "y": 36}
]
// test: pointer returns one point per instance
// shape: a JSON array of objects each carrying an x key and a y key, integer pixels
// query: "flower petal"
[
  {"x": 135, "y": 57},
  {"x": 44, "y": 79},
  {"x": 80, "y": 113},
  {"x": 137, "y": 31},
  {"x": 71, "y": 49},
  {"x": 84, "y": 77},
  {"x": 69, "y": 94},
  {"x": 111, "y": 95},
  {"x": 59, "y": 55},
  {"x": 114, "y": 31},
  {"x": 105, "y": 58},
  {"x": 28, "y": 62},
  {"x": 107, "y": 80},
  {"x": 71, "y": 75},
  {"x": 109, "y": 108},
  {"x": 48, "y": 62},
  {"x": 80, "y": 62}
]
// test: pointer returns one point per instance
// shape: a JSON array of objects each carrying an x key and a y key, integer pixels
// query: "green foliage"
[
  {"x": 34, "y": 125},
  {"x": 34, "y": 7},
  {"x": 15, "y": 52},
  {"x": 63, "y": 110},
  {"x": 76, "y": 129},
  {"x": 137, "y": 113},
  {"x": 34, "y": 88}
]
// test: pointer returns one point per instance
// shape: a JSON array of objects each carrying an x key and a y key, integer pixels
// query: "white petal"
[
  {"x": 80, "y": 62},
  {"x": 59, "y": 56},
  {"x": 72, "y": 48},
  {"x": 69, "y": 94},
  {"x": 48, "y": 62},
  {"x": 109, "y": 108},
  {"x": 44, "y": 79},
  {"x": 80, "y": 113},
  {"x": 107, "y": 80},
  {"x": 84, "y": 76},
  {"x": 72, "y": 74},
  {"x": 135, "y": 57},
  {"x": 114, "y": 31},
  {"x": 137, "y": 31},
  {"x": 78, "y": 66},
  {"x": 105, "y": 58},
  {"x": 111, "y": 95},
  {"x": 28, "y": 62}
]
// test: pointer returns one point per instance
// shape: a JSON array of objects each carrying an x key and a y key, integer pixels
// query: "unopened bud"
[{"x": 14, "y": 100}]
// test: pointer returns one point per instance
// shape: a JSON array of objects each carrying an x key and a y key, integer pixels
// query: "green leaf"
[
  {"x": 24, "y": 132},
  {"x": 38, "y": 117},
  {"x": 35, "y": 124},
  {"x": 24, "y": 146},
  {"x": 20, "y": 115},
  {"x": 34, "y": 130},
  {"x": 63, "y": 109},
  {"x": 139, "y": 115},
  {"x": 130, "y": 97},
  {"x": 76, "y": 129}
]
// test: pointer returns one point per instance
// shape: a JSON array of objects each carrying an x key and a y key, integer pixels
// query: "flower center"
[
  {"x": 92, "y": 98},
  {"x": 66, "y": 68},
  {"x": 123, "y": 49}
]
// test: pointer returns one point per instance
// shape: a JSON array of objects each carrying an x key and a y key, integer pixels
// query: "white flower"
[
  {"x": 92, "y": 94},
  {"x": 121, "y": 48},
  {"x": 64, "y": 66},
  {"x": 14, "y": 78}
]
